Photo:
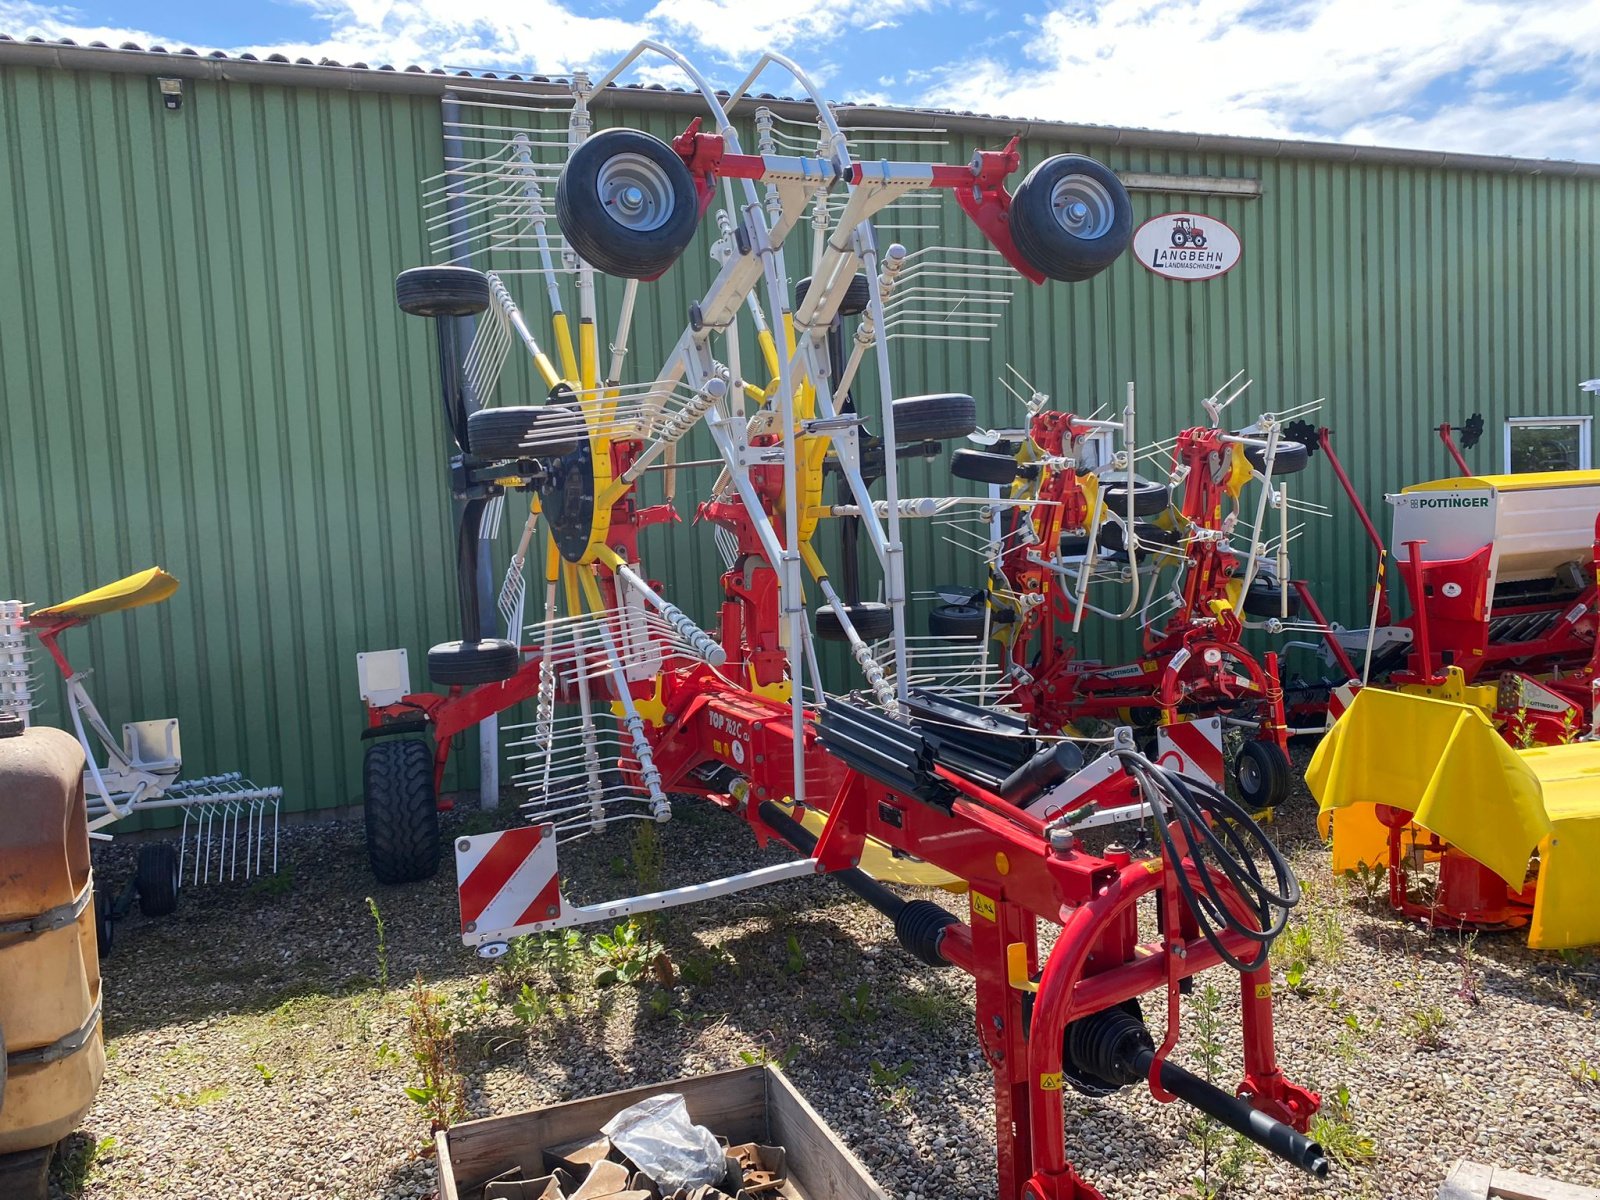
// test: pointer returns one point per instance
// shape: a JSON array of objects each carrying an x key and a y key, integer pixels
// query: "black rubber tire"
[
  {"x": 1150, "y": 499},
  {"x": 1265, "y": 599},
  {"x": 964, "y": 621},
  {"x": 1261, "y": 773},
  {"x": 983, "y": 466},
  {"x": 487, "y": 661},
  {"x": 105, "y": 921},
  {"x": 157, "y": 876},
  {"x": 441, "y": 291},
  {"x": 856, "y": 297},
  {"x": 534, "y": 431},
  {"x": 587, "y": 220},
  {"x": 871, "y": 621},
  {"x": 1048, "y": 246},
  {"x": 1289, "y": 459},
  {"x": 1076, "y": 545},
  {"x": 402, "y": 813},
  {"x": 940, "y": 417},
  {"x": 1151, "y": 537}
]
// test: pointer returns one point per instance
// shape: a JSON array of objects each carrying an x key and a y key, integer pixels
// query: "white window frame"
[{"x": 1584, "y": 423}]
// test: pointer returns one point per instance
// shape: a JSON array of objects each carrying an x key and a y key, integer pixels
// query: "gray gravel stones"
[{"x": 252, "y": 1054}]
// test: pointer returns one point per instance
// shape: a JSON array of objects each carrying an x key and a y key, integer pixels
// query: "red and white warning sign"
[
  {"x": 506, "y": 880},
  {"x": 1341, "y": 698},
  {"x": 1192, "y": 748}
]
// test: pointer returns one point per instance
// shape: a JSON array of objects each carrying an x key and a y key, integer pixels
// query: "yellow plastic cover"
[
  {"x": 1445, "y": 763},
  {"x": 131, "y": 591},
  {"x": 884, "y": 865},
  {"x": 1525, "y": 481},
  {"x": 1566, "y": 906}
]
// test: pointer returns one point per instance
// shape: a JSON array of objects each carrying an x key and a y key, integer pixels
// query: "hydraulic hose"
[{"x": 1183, "y": 801}]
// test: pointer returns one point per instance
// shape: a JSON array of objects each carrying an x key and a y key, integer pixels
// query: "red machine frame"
[{"x": 1019, "y": 869}]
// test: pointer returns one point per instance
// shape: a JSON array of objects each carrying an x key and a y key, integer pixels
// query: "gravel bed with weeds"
[{"x": 270, "y": 1041}]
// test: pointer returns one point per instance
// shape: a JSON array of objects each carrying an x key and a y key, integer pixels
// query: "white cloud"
[
  {"x": 740, "y": 29},
  {"x": 532, "y": 35},
  {"x": 1305, "y": 68}
]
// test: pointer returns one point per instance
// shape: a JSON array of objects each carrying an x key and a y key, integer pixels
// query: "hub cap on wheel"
[
  {"x": 636, "y": 192},
  {"x": 1249, "y": 775},
  {"x": 1082, "y": 206}
]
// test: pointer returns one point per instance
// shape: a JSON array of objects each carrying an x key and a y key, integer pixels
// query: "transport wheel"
[
  {"x": 856, "y": 297},
  {"x": 983, "y": 466},
  {"x": 1149, "y": 498},
  {"x": 105, "y": 921},
  {"x": 963, "y": 621},
  {"x": 626, "y": 203},
  {"x": 1071, "y": 218},
  {"x": 157, "y": 876},
  {"x": 1261, "y": 773},
  {"x": 402, "y": 813},
  {"x": 487, "y": 661},
  {"x": 1289, "y": 459},
  {"x": 941, "y": 417},
  {"x": 872, "y": 621},
  {"x": 441, "y": 291},
  {"x": 533, "y": 431},
  {"x": 1265, "y": 599}
]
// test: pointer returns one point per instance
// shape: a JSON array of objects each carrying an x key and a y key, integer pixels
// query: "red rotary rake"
[
  {"x": 1071, "y": 524},
  {"x": 635, "y": 704}
]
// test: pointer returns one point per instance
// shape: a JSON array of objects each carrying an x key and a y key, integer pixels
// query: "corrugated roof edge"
[{"x": 67, "y": 55}]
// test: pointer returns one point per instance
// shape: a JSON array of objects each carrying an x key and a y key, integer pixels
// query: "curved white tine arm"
[{"x": 824, "y": 113}]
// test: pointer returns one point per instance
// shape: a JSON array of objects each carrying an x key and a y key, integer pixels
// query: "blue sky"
[{"x": 1488, "y": 76}]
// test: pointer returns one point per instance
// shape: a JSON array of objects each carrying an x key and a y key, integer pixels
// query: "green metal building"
[{"x": 203, "y": 367}]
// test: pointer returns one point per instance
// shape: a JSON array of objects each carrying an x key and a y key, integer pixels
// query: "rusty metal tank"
[{"x": 49, "y": 967}]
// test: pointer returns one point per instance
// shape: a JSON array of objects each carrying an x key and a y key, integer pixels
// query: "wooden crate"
[
  {"x": 1475, "y": 1181},
  {"x": 750, "y": 1104}
]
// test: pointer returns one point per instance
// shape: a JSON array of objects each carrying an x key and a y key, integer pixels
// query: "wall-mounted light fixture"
[{"x": 171, "y": 92}]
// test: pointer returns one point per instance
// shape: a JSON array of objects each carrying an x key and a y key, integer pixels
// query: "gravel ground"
[{"x": 253, "y": 1053}]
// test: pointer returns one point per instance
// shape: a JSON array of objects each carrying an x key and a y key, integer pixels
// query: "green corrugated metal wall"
[{"x": 203, "y": 367}]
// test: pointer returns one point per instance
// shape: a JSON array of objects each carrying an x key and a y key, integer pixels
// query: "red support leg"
[{"x": 996, "y": 925}]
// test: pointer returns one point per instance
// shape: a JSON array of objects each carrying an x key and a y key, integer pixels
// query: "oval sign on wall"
[{"x": 1186, "y": 246}]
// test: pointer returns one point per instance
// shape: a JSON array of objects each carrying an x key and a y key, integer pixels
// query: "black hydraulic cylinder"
[{"x": 1272, "y": 1135}]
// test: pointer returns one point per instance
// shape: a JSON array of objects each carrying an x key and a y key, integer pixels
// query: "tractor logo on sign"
[{"x": 1186, "y": 246}]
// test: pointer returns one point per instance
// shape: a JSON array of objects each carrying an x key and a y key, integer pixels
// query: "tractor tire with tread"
[
  {"x": 1264, "y": 599},
  {"x": 1289, "y": 459},
  {"x": 441, "y": 291},
  {"x": 594, "y": 186},
  {"x": 1040, "y": 224},
  {"x": 963, "y": 621},
  {"x": 871, "y": 621},
  {"x": 488, "y": 660},
  {"x": 1261, "y": 772},
  {"x": 105, "y": 921},
  {"x": 401, "y": 810},
  {"x": 157, "y": 873},
  {"x": 1150, "y": 498},
  {"x": 524, "y": 431},
  {"x": 983, "y": 466},
  {"x": 856, "y": 297},
  {"x": 940, "y": 417}
]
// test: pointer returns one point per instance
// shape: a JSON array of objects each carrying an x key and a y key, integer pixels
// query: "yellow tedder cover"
[
  {"x": 131, "y": 591},
  {"x": 1566, "y": 908},
  {"x": 1444, "y": 762}
]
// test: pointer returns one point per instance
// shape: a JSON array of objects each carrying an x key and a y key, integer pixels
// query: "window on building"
[{"x": 1548, "y": 443}]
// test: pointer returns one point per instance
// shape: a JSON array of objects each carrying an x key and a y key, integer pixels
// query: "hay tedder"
[
  {"x": 1469, "y": 771},
  {"x": 230, "y": 824},
  {"x": 1188, "y": 556},
  {"x": 636, "y": 707}
]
